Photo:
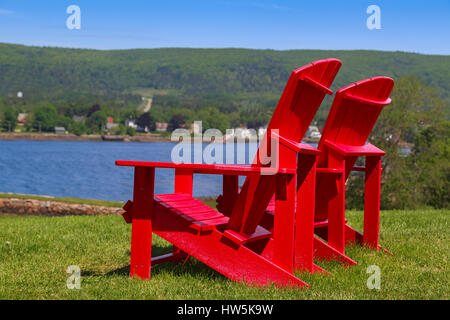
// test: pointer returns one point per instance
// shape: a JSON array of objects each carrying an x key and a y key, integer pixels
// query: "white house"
[
  {"x": 313, "y": 132},
  {"x": 262, "y": 132},
  {"x": 131, "y": 123},
  {"x": 161, "y": 126},
  {"x": 60, "y": 130},
  {"x": 109, "y": 125}
]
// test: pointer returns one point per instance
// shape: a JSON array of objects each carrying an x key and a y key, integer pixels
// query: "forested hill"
[{"x": 57, "y": 72}]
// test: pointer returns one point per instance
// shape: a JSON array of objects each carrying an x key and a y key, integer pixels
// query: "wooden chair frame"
[{"x": 232, "y": 241}]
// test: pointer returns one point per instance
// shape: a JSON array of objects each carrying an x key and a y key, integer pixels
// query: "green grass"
[{"x": 35, "y": 252}]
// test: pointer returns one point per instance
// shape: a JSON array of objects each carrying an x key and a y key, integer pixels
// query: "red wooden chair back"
[
  {"x": 296, "y": 108},
  {"x": 352, "y": 117}
]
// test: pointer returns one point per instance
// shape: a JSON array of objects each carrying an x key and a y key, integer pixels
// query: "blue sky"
[{"x": 412, "y": 26}]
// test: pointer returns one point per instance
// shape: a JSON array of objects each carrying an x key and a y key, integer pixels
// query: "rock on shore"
[{"x": 53, "y": 208}]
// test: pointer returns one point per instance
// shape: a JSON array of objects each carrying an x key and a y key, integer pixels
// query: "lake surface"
[{"x": 87, "y": 169}]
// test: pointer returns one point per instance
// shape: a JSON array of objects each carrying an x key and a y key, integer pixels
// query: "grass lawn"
[{"x": 35, "y": 252}]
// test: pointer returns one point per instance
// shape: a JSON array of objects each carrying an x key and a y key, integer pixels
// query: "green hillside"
[{"x": 59, "y": 71}]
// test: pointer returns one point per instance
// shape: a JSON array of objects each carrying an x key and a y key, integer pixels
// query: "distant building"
[
  {"x": 60, "y": 130},
  {"x": 196, "y": 127},
  {"x": 21, "y": 119},
  {"x": 142, "y": 129},
  {"x": 313, "y": 133},
  {"x": 244, "y": 133},
  {"x": 262, "y": 132},
  {"x": 161, "y": 126},
  {"x": 109, "y": 125},
  {"x": 131, "y": 123},
  {"x": 78, "y": 118},
  {"x": 229, "y": 134},
  {"x": 241, "y": 134}
]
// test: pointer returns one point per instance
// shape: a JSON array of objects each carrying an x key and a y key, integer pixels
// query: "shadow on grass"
[{"x": 191, "y": 267}]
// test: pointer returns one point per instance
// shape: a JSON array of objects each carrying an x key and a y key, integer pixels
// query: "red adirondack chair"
[
  {"x": 232, "y": 241},
  {"x": 352, "y": 116}
]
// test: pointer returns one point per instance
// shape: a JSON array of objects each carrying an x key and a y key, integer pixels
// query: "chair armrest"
[
  {"x": 346, "y": 150},
  {"x": 302, "y": 148},
  {"x": 222, "y": 169},
  {"x": 329, "y": 171}
]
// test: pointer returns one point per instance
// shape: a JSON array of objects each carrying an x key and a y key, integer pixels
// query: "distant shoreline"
[
  {"x": 72, "y": 137},
  {"x": 23, "y": 204},
  {"x": 95, "y": 138}
]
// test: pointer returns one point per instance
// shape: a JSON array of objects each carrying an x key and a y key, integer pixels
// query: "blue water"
[{"x": 87, "y": 169}]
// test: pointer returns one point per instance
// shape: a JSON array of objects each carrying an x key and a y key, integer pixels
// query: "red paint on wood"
[
  {"x": 298, "y": 105},
  {"x": 230, "y": 193},
  {"x": 141, "y": 229},
  {"x": 183, "y": 181},
  {"x": 372, "y": 202},
  {"x": 352, "y": 116},
  {"x": 304, "y": 229},
  {"x": 309, "y": 195},
  {"x": 323, "y": 251}
]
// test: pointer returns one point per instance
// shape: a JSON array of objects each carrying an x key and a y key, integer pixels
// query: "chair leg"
[
  {"x": 141, "y": 229},
  {"x": 372, "y": 202},
  {"x": 283, "y": 230},
  {"x": 336, "y": 206},
  {"x": 304, "y": 224},
  {"x": 141, "y": 248}
]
